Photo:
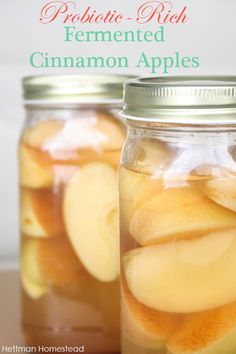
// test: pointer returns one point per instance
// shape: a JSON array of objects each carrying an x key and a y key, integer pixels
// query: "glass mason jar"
[
  {"x": 178, "y": 216},
  {"x": 69, "y": 153}
]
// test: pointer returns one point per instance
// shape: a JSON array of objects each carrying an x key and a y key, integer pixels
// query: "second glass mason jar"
[
  {"x": 69, "y": 153},
  {"x": 178, "y": 216}
]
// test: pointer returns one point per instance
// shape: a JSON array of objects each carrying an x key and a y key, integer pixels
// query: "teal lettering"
[
  {"x": 118, "y": 36},
  {"x": 186, "y": 62},
  {"x": 101, "y": 36},
  {"x": 78, "y": 35},
  {"x": 168, "y": 62},
  {"x": 34, "y": 58},
  {"x": 70, "y": 31},
  {"x": 159, "y": 36},
  {"x": 80, "y": 62},
  {"x": 148, "y": 36},
  {"x": 143, "y": 62},
  {"x": 68, "y": 62},
  {"x": 195, "y": 62},
  {"x": 96, "y": 62},
  {"x": 156, "y": 63}
]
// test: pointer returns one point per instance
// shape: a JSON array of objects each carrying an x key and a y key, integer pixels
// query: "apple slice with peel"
[
  {"x": 168, "y": 276},
  {"x": 52, "y": 262},
  {"x": 29, "y": 220},
  {"x": 91, "y": 219},
  {"x": 178, "y": 213},
  {"x": 41, "y": 214},
  {"x": 32, "y": 173},
  {"x": 47, "y": 206},
  {"x": 31, "y": 277},
  {"x": 210, "y": 332},
  {"x": 222, "y": 191},
  {"x": 144, "y": 326}
]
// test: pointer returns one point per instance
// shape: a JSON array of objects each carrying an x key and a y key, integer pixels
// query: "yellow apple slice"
[
  {"x": 29, "y": 220},
  {"x": 34, "y": 290},
  {"x": 31, "y": 278},
  {"x": 112, "y": 158},
  {"x": 184, "y": 276},
  {"x": 144, "y": 326},
  {"x": 41, "y": 212},
  {"x": 210, "y": 332},
  {"x": 47, "y": 207},
  {"x": 51, "y": 263},
  {"x": 59, "y": 266},
  {"x": 42, "y": 133},
  {"x": 91, "y": 219},
  {"x": 222, "y": 191},
  {"x": 32, "y": 173},
  {"x": 148, "y": 190},
  {"x": 153, "y": 156},
  {"x": 178, "y": 213},
  {"x": 130, "y": 182},
  {"x": 112, "y": 132}
]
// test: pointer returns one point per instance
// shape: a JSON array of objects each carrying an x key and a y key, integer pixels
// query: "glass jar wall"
[{"x": 178, "y": 217}]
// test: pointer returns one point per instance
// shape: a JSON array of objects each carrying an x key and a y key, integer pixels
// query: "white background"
[{"x": 210, "y": 34}]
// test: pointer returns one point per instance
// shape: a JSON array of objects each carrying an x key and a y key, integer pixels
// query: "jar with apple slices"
[
  {"x": 178, "y": 217},
  {"x": 68, "y": 154}
]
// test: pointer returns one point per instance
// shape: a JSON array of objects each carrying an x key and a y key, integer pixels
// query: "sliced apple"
[
  {"x": 210, "y": 332},
  {"x": 32, "y": 289},
  {"x": 91, "y": 219},
  {"x": 31, "y": 278},
  {"x": 41, "y": 212},
  {"x": 130, "y": 183},
  {"x": 42, "y": 133},
  {"x": 148, "y": 190},
  {"x": 112, "y": 158},
  {"x": 59, "y": 266},
  {"x": 52, "y": 262},
  {"x": 184, "y": 276},
  {"x": 29, "y": 220},
  {"x": 32, "y": 173},
  {"x": 83, "y": 157},
  {"x": 47, "y": 207},
  {"x": 222, "y": 191},
  {"x": 153, "y": 156},
  {"x": 178, "y": 213},
  {"x": 144, "y": 326},
  {"x": 112, "y": 132}
]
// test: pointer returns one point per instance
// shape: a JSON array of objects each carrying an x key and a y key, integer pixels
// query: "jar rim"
[
  {"x": 61, "y": 89},
  {"x": 186, "y": 99}
]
